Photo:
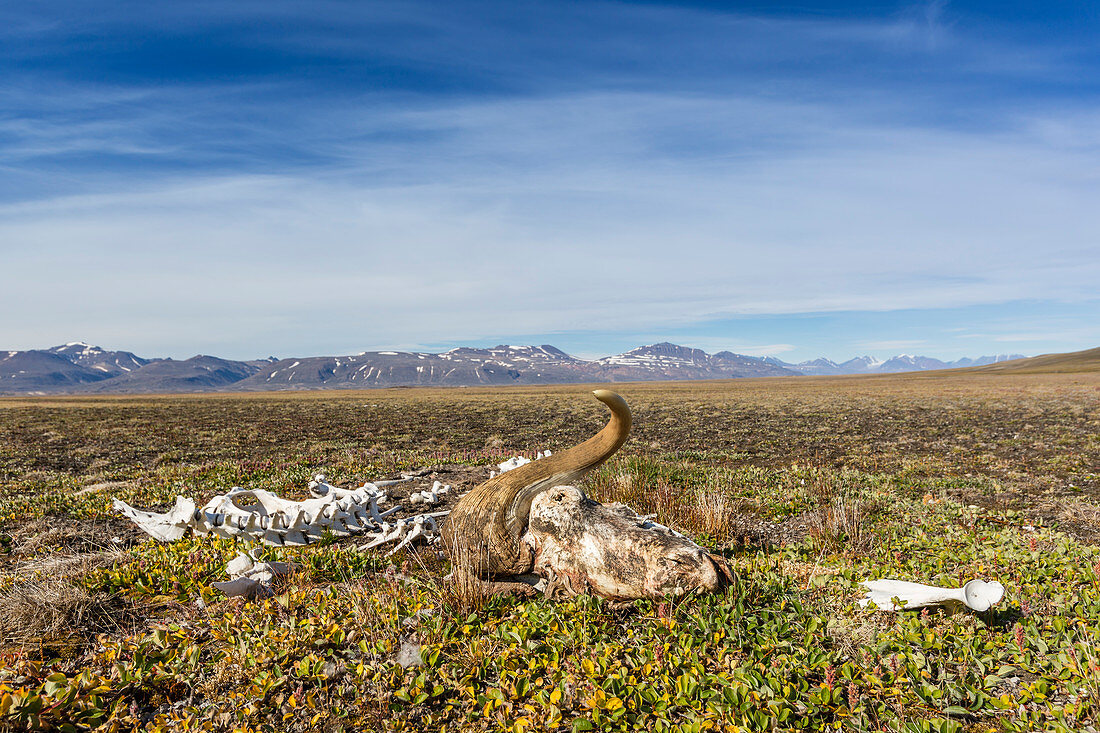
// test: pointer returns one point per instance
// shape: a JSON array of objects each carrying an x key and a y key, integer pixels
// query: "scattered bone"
[
  {"x": 517, "y": 461},
  {"x": 977, "y": 595},
  {"x": 405, "y": 531},
  {"x": 250, "y": 578},
  {"x": 430, "y": 497}
]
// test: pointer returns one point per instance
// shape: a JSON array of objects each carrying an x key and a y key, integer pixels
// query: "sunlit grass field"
[{"x": 808, "y": 486}]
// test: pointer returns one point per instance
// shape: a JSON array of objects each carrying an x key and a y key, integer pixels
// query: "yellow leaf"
[{"x": 555, "y": 697}]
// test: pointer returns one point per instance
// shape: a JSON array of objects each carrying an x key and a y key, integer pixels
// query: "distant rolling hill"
[
  {"x": 197, "y": 374},
  {"x": 1074, "y": 361},
  {"x": 42, "y": 371},
  {"x": 893, "y": 365}
]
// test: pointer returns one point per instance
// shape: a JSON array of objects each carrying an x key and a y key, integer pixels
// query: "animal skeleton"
[
  {"x": 526, "y": 518},
  {"x": 260, "y": 516}
]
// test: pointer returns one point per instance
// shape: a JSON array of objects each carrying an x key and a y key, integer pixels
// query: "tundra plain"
[{"x": 807, "y": 485}]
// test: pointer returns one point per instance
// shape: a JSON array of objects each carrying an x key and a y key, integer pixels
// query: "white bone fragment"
[
  {"x": 246, "y": 587},
  {"x": 514, "y": 462},
  {"x": 517, "y": 461},
  {"x": 416, "y": 530},
  {"x": 250, "y": 577},
  {"x": 429, "y": 497},
  {"x": 977, "y": 595},
  {"x": 383, "y": 537},
  {"x": 166, "y": 527},
  {"x": 379, "y": 516},
  {"x": 239, "y": 565}
]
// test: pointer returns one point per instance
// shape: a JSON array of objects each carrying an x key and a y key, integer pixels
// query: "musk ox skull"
[{"x": 532, "y": 519}]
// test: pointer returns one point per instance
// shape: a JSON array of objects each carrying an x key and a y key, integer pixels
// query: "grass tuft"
[
  {"x": 53, "y": 609},
  {"x": 842, "y": 524}
]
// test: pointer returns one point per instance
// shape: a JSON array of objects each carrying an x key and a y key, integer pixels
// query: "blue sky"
[{"x": 800, "y": 180}]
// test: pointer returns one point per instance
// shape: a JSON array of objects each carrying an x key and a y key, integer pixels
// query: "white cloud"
[{"x": 563, "y": 214}]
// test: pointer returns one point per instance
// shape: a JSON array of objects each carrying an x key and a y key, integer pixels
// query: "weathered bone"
[
  {"x": 431, "y": 496},
  {"x": 407, "y": 530},
  {"x": 977, "y": 595},
  {"x": 166, "y": 527},
  {"x": 251, "y": 578},
  {"x": 260, "y": 516},
  {"x": 584, "y": 546},
  {"x": 516, "y": 462}
]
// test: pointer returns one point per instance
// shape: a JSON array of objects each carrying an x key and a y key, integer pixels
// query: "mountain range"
[
  {"x": 893, "y": 365},
  {"x": 80, "y": 368}
]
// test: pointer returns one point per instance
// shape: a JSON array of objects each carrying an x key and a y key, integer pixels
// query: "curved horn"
[{"x": 486, "y": 527}]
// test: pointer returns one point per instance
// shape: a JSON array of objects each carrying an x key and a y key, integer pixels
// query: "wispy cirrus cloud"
[{"x": 892, "y": 344}]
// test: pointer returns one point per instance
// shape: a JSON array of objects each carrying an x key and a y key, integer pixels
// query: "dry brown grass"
[
  {"x": 463, "y": 591},
  {"x": 51, "y": 609},
  {"x": 712, "y": 513},
  {"x": 64, "y": 566},
  {"x": 48, "y": 604},
  {"x": 842, "y": 524}
]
